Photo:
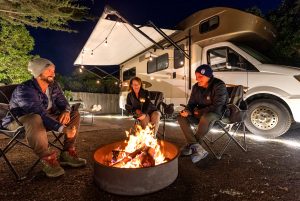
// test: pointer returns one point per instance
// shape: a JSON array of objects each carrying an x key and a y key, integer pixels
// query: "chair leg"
[
  {"x": 244, "y": 148},
  {"x": 11, "y": 167},
  {"x": 208, "y": 142}
]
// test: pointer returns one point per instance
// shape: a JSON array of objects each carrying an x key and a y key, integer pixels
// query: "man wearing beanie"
[
  {"x": 206, "y": 104},
  {"x": 39, "y": 104}
]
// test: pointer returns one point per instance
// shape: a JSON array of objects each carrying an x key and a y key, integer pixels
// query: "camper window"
[
  {"x": 178, "y": 57},
  {"x": 217, "y": 59},
  {"x": 158, "y": 63},
  {"x": 209, "y": 24},
  {"x": 130, "y": 73},
  {"x": 226, "y": 59}
]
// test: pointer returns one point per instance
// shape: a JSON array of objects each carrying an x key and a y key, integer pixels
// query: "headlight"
[{"x": 297, "y": 77}]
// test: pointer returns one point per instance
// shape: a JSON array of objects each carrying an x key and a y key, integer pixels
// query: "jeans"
[
  {"x": 36, "y": 133},
  {"x": 154, "y": 119},
  {"x": 204, "y": 125}
]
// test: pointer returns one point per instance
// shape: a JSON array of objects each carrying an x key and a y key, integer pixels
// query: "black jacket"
[
  {"x": 147, "y": 107},
  {"x": 210, "y": 99}
]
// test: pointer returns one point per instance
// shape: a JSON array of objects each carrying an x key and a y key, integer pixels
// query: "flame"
[{"x": 147, "y": 147}]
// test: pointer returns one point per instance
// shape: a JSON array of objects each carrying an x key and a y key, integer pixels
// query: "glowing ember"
[{"x": 142, "y": 150}]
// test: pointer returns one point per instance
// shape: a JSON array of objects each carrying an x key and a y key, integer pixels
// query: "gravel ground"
[{"x": 270, "y": 170}]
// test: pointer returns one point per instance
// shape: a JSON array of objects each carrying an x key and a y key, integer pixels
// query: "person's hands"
[
  {"x": 64, "y": 118},
  {"x": 138, "y": 112},
  {"x": 142, "y": 117},
  {"x": 70, "y": 132},
  {"x": 196, "y": 113},
  {"x": 184, "y": 113}
]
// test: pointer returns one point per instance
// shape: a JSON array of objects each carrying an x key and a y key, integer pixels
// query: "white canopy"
[{"x": 112, "y": 43}]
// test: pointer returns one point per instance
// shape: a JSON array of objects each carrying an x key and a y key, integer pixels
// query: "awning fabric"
[{"x": 112, "y": 43}]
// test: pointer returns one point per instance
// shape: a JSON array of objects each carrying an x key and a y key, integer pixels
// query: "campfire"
[
  {"x": 139, "y": 165},
  {"x": 142, "y": 150}
]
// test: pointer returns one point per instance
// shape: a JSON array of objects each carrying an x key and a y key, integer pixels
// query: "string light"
[
  {"x": 150, "y": 57},
  {"x": 105, "y": 42},
  {"x": 82, "y": 67},
  {"x": 80, "y": 70},
  {"x": 98, "y": 82}
]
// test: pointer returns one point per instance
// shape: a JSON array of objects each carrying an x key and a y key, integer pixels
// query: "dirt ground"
[{"x": 270, "y": 170}]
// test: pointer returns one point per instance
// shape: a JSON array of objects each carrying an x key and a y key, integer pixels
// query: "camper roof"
[{"x": 220, "y": 24}]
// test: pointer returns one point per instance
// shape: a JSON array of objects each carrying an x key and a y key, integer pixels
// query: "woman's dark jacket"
[
  {"x": 211, "y": 99},
  {"x": 28, "y": 98},
  {"x": 147, "y": 107}
]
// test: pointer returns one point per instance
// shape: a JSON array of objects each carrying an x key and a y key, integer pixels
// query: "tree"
[
  {"x": 255, "y": 11},
  {"x": 16, "y": 43},
  {"x": 286, "y": 20},
  {"x": 50, "y": 14}
]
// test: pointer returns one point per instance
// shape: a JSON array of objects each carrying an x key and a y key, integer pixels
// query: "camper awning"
[{"x": 112, "y": 43}]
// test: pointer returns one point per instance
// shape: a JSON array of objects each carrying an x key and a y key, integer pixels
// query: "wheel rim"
[{"x": 264, "y": 118}]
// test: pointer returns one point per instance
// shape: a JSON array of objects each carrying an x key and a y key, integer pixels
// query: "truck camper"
[{"x": 228, "y": 39}]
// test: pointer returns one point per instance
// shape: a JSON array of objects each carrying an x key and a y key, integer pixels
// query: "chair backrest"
[
  {"x": 156, "y": 97},
  {"x": 236, "y": 94},
  {"x": 6, "y": 92},
  {"x": 237, "y": 107}
]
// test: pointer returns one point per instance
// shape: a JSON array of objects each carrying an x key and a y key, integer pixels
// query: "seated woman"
[{"x": 139, "y": 102}]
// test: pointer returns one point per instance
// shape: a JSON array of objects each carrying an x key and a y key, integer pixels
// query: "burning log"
[
  {"x": 129, "y": 157},
  {"x": 147, "y": 158}
]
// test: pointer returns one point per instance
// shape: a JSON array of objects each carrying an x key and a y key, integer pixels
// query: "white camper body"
[{"x": 217, "y": 36}]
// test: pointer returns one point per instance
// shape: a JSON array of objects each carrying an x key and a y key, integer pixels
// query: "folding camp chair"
[
  {"x": 230, "y": 123},
  {"x": 17, "y": 136}
]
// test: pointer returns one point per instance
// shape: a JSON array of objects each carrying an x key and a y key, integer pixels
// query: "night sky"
[{"x": 63, "y": 48}]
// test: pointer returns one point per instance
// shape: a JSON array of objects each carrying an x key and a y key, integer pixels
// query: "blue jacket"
[{"x": 28, "y": 98}]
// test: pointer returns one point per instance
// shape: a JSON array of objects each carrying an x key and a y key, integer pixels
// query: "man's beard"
[{"x": 48, "y": 80}]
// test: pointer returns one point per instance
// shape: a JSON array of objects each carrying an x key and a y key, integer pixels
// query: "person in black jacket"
[
  {"x": 206, "y": 104},
  {"x": 138, "y": 100},
  {"x": 40, "y": 105}
]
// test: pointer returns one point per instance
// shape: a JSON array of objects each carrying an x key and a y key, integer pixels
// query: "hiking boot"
[
  {"x": 186, "y": 150},
  {"x": 198, "y": 153},
  {"x": 52, "y": 167},
  {"x": 70, "y": 158}
]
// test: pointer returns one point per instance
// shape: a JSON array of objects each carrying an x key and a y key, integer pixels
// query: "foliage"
[
  {"x": 68, "y": 95},
  {"x": 50, "y": 14},
  {"x": 255, "y": 11},
  {"x": 16, "y": 43},
  {"x": 87, "y": 82},
  {"x": 286, "y": 20}
]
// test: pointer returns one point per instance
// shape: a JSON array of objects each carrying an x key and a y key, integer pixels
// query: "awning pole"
[{"x": 110, "y": 10}]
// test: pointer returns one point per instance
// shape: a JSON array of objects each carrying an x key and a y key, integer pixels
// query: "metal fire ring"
[{"x": 134, "y": 181}]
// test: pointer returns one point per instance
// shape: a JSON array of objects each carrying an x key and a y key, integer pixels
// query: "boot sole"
[{"x": 55, "y": 175}]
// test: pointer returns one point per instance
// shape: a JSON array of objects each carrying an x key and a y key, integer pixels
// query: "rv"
[{"x": 225, "y": 38}]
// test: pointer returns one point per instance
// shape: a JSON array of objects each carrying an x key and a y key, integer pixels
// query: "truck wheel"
[{"x": 268, "y": 118}]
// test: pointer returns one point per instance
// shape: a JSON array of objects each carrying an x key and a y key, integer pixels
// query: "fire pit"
[{"x": 115, "y": 174}]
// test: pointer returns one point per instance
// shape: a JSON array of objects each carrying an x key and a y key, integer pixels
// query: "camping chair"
[
  {"x": 230, "y": 122},
  {"x": 17, "y": 136}
]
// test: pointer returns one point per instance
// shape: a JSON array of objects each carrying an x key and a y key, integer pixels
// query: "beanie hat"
[
  {"x": 38, "y": 65},
  {"x": 204, "y": 69}
]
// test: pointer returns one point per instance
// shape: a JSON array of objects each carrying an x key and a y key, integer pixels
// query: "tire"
[{"x": 268, "y": 118}]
